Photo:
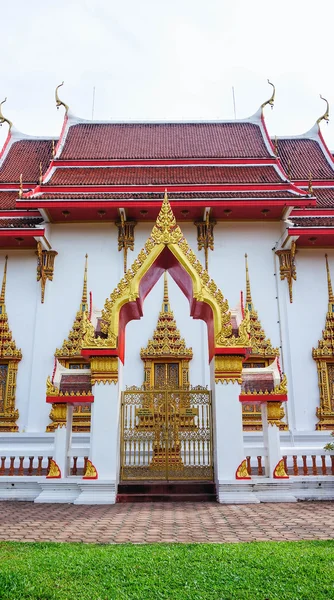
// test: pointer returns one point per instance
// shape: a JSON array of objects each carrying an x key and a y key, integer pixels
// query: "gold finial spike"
[
  {"x": 329, "y": 282},
  {"x": 58, "y": 101},
  {"x": 248, "y": 288},
  {"x": 2, "y": 118},
  {"x": 4, "y": 280},
  {"x": 53, "y": 149},
  {"x": 310, "y": 187},
  {"x": 325, "y": 116},
  {"x": 272, "y": 97},
  {"x": 166, "y": 298},
  {"x": 289, "y": 173},
  {"x": 40, "y": 173},
  {"x": 21, "y": 186},
  {"x": 84, "y": 299}
]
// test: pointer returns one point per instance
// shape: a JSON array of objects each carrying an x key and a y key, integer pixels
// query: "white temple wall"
[
  {"x": 22, "y": 295},
  {"x": 305, "y": 320},
  {"x": 55, "y": 317},
  {"x": 38, "y": 329}
]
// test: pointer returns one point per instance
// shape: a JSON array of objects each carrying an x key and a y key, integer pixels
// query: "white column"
[
  {"x": 271, "y": 442},
  {"x": 228, "y": 435},
  {"x": 104, "y": 436},
  {"x": 63, "y": 438}
]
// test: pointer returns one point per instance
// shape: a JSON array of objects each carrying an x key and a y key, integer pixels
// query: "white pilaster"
[
  {"x": 271, "y": 442},
  {"x": 63, "y": 438}
]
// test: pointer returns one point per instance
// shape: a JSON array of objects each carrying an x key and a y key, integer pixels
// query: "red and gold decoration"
[
  {"x": 279, "y": 471},
  {"x": 242, "y": 472},
  {"x": 54, "y": 470},
  {"x": 69, "y": 356},
  {"x": 91, "y": 472},
  {"x": 261, "y": 355},
  {"x": 287, "y": 266},
  {"x": 126, "y": 236},
  {"x": 205, "y": 237},
  {"x": 324, "y": 357},
  {"x": 10, "y": 357},
  {"x": 45, "y": 266}
]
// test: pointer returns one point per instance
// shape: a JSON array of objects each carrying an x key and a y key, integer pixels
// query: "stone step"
[{"x": 167, "y": 491}]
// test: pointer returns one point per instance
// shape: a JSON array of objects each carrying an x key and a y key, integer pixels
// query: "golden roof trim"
[{"x": 325, "y": 116}]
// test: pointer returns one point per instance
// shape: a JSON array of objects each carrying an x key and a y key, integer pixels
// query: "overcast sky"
[{"x": 166, "y": 60}]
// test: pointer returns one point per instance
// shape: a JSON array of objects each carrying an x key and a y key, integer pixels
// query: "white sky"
[{"x": 166, "y": 60}]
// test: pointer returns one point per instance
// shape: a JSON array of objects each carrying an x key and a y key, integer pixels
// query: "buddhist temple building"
[{"x": 166, "y": 312}]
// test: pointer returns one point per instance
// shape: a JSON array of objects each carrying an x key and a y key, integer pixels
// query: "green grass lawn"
[{"x": 260, "y": 570}]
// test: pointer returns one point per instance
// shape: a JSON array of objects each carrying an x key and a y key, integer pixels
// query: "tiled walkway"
[{"x": 166, "y": 522}]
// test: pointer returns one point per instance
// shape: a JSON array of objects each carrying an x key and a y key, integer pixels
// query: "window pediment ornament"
[{"x": 166, "y": 232}]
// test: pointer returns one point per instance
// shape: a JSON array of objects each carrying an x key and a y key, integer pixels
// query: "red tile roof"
[
  {"x": 326, "y": 221},
  {"x": 163, "y": 175},
  {"x": 19, "y": 223},
  {"x": 256, "y": 382},
  {"x": 25, "y": 156},
  {"x": 306, "y": 156},
  {"x": 8, "y": 200},
  {"x": 325, "y": 197},
  {"x": 164, "y": 140},
  {"x": 171, "y": 195}
]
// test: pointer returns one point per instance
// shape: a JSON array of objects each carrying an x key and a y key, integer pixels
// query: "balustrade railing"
[
  {"x": 20, "y": 465},
  {"x": 305, "y": 463}
]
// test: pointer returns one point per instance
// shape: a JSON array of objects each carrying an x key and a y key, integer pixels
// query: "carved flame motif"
[{"x": 166, "y": 231}]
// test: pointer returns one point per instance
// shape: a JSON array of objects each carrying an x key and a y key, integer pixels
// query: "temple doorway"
[{"x": 166, "y": 422}]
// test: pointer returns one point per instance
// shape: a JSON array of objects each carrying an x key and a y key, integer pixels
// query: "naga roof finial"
[
  {"x": 4, "y": 281},
  {"x": 84, "y": 299},
  {"x": 60, "y": 102},
  {"x": 21, "y": 186},
  {"x": 248, "y": 288},
  {"x": 272, "y": 97},
  {"x": 310, "y": 187},
  {"x": 325, "y": 116},
  {"x": 329, "y": 282},
  {"x": 2, "y": 118}
]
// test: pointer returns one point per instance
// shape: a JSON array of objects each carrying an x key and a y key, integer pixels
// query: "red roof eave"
[
  {"x": 246, "y": 187},
  {"x": 306, "y": 231},
  {"x": 21, "y": 232},
  {"x": 58, "y": 162},
  {"x": 42, "y": 203}
]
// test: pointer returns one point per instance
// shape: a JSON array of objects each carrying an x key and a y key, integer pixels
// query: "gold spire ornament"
[
  {"x": 310, "y": 187},
  {"x": 45, "y": 266},
  {"x": 276, "y": 146},
  {"x": 72, "y": 346},
  {"x": 261, "y": 346},
  {"x": 324, "y": 356},
  {"x": 166, "y": 346},
  {"x": 60, "y": 102},
  {"x": 325, "y": 116},
  {"x": 10, "y": 356},
  {"x": 40, "y": 173},
  {"x": 2, "y": 118},
  {"x": 272, "y": 97}
]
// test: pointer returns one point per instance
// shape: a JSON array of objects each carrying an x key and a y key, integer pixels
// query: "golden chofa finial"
[
  {"x": 329, "y": 283},
  {"x": 325, "y": 116},
  {"x": 4, "y": 280},
  {"x": 272, "y": 97},
  {"x": 58, "y": 101},
  {"x": 2, "y": 118},
  {"x": 84, "y": 299},
  {"x": 248, "y": 288},
  {"x": 310, "y": 187},
  {"x": 21, "y": 186}
]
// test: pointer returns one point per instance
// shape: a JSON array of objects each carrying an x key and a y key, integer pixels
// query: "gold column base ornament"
[
  {"x": 275, "y": 413},
  {"x": 205, "y": 237},
  {"x": 279, "y": 471},
  {"x": 91, "y": 472},
  {"x": 242, "y": 472},
  {"x": 287, "y": 266},
  {"x": 104, "y": 369},
  {"x": 228, "y": 368},
  {"x": 54, "y": 470}
]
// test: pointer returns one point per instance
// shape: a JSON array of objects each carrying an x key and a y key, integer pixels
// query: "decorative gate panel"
[{"x": 166, "y": 434}]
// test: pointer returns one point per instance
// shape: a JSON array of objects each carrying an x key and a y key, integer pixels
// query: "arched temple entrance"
[{"x": 170, "y": 429}]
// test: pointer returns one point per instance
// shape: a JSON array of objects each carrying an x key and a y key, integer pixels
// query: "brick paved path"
[{"x": 166, "y": 522}]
